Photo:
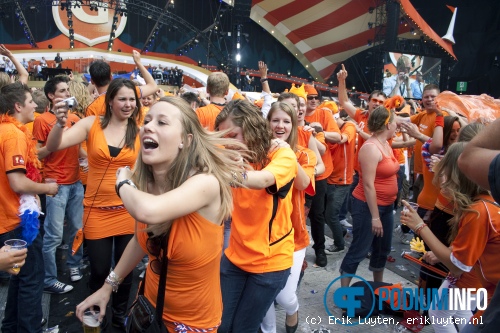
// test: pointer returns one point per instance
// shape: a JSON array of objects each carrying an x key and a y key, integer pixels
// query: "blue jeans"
[
  {"x": 363, "y": 238},
  {"x": 23, "y": 311},
  {"x": 335, "y": 197},
  {"x": 247, "y": 296},
  {"x": 346, "y": 206},
  {"x": 66, "y": 205}
]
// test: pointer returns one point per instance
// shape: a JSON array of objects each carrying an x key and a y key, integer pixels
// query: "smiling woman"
[
  {"x": 112, "y": 142},
  {"x": 183, "y": 194}
]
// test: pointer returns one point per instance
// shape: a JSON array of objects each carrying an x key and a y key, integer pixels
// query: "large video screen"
[{"x": 407, "y": 74}]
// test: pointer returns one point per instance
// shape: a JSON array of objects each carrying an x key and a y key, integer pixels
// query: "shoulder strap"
[
  {"x": 160, "y": 296},
  {"x": 491, "y": 202}
]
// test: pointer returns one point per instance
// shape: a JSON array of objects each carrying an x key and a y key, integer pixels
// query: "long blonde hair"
[
  {"x": 82, "y": 95},
  {"x": 460, "y": 189},
  {"x": 205, "y": 154}
]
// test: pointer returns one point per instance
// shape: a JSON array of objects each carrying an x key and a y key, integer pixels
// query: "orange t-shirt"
[
  {"x": 98, "y": 107},
  {"x": 307, "y": 160},
  {"x": 426, "y": 123},
  {"x": 325, "y": 118},
  {"x": 477, "y": 244},
  {"x": 192, "y": 292},
  {"x": 303, "y": 137},
  {"x": 29, "y": 125},
  {"x": 61, "y": 165},
  {"x": 361, "y": 117},
  {"x": 400, "y": 152},
  {"x": 251, "y": 245},
  {"x": 429, "y": 194},
  {"x": 343, "y": 155},
  {"x": 444, "y": 203},
  {"x": 100, "y": 193},
  {"x": 207, "y": 114},
  {"x": 385, "y": 182},
  {"x": 13, "y": 154},
  {"x": 326, "y": 157}
]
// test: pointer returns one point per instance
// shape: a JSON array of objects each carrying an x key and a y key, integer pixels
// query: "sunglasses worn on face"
[
  {"x": 378, "y": 101},
  {"x": 309, "y": 98},
  {"x": 154, "y": 246}
]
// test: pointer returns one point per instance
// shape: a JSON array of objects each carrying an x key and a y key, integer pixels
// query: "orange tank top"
[
  {"x": 192, "y": 292},
  {"x": 386, "y": 185},
  {"x": 102, "y": 168}
]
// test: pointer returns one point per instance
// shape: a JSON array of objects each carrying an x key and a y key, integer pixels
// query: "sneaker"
[
  {"x": 334, "y": 250},
  {"x": 345, "y": 223},
  {"x": 321, "y": 260},
  {"x": 75, "y": 274},
  {"x": 58, "y": 288},
  {"x": 402, "y": 236}
]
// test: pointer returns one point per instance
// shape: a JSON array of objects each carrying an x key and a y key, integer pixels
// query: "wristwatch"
[{"x": 123, "y": 182}]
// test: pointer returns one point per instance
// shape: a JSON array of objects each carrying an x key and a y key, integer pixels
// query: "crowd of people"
[{"x": 218, "y": 191}]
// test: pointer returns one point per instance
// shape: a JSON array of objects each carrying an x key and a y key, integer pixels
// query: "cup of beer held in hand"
[
  {"x": 91, "y": 322},
  {"x": 13, "y": 245}
]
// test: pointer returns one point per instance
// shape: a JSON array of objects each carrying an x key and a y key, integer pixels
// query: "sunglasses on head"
[
  {"x": 312, "y": 97},
  {"x": 154, "y": 246}
]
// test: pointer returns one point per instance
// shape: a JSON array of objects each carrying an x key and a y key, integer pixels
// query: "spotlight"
[
  {"x": 370, "y": 25},
  {"x": 288, "y": 73},
  {"x": 370, "y": 10},
  {"x": 50, "y": 46},
  {"x": 71, "y": 31},
  {"x": 70, "y": 23},
  {"x": 369, "y": 42},
  {"x": 199, "y": 63}
]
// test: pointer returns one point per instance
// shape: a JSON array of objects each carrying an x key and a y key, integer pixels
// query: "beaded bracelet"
[
  {"x": 113, "y": 280},
  {"x": 419, "y": 227}
]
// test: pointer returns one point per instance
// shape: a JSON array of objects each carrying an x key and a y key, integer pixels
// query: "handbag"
[{"x": 143, "y": 317}]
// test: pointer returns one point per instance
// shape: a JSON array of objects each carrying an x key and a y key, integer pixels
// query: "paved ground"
[{"x": 313, "y": 317}]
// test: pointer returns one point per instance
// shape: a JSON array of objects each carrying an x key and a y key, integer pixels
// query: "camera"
[{"x": 71, "y": 102}]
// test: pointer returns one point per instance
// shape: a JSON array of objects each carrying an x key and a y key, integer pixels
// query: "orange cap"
[
  {"x": 310, "y": 90},
  {"x": 332, "y": 106}
]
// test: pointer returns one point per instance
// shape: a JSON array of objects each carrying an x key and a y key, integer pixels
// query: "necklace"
[{"x": 382, "y": 143}]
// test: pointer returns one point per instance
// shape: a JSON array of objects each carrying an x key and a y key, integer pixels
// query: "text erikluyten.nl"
[{"x": 373, "y": 321}]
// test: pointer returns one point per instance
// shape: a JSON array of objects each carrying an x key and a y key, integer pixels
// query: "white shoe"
[
  {"x": 345, "y": 223},
  {"x": 402, "y": 236}
]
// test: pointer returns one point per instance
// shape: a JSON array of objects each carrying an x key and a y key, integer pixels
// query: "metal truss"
[{"x": 161, "y": 15}]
